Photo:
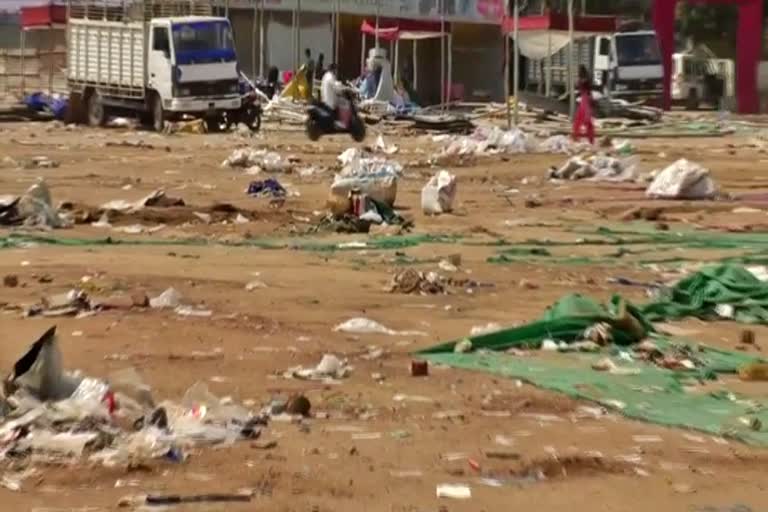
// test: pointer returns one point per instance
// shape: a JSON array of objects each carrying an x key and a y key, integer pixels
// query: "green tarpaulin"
[{"x": 653, "y": 394}]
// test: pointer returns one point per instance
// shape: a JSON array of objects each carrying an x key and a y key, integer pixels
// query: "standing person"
[
  {"x": 583, "y": 118},
  {"x": 309, "y": 69},
  {"x": 320, "y": 67}
]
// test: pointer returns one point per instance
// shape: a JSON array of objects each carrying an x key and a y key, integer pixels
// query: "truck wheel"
[
  {"x": 97, "y": 114},
  {"x": 313, "y": 129},
  {"x": 158, "y": 116},
  {"x": 692, "y": 102}
]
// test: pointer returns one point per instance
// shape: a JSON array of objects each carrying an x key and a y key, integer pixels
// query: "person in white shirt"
[{"x": 329, "y": 88}]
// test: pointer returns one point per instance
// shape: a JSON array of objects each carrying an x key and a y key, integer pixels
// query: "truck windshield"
[
  {"x": 637, "y": 50},
  {"x": 203, "y": 42}
]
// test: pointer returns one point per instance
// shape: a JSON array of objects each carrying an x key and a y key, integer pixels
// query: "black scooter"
[{"x": 321, "y": 121}]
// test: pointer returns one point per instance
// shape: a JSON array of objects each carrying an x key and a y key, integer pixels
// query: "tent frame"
[{"x": 394, "y": 35}]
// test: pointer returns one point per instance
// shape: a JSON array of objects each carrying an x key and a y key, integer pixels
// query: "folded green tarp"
[{"x": 699, "y": 294}]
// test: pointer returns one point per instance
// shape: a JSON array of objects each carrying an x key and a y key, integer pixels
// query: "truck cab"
[
  {"x": 628, "y": 65},
  {"x": 192, "y": 66}
]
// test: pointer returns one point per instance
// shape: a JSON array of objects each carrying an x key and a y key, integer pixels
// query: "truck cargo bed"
[{"x": 106, "y": 54}]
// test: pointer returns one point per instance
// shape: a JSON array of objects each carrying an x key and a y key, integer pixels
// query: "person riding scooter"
[{"x": 330, "y": 87}]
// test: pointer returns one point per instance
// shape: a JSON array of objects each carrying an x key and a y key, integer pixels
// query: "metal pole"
[
  {"x": 506, "y": 80},
  {"x": 298, "y": 34},
  {"x": 442, "y": 55},
  {"x": 414, "y": 54},
  {"x": 377, "y": 24},
  {"x": 23, "y": 50},
  {"x": 572, "y": 106},
  {"x": 254, "y": 31},
  {"x": 336, "y": 32},
  {"x": 517, "y": 62},
  {"x": 548, "y": 78},
  {"x": 50, "y": 59},
  {"x": 262, "y": 45}
]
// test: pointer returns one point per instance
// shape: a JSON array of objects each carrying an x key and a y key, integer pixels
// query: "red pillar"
[
  {"x": 749, "y": 42},
  {"x": 664, "y": 24}
]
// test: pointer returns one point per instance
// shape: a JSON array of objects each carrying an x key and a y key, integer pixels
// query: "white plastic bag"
[
  {"x": 438, "y": 194},
  {"x": 683, "y": 180}
]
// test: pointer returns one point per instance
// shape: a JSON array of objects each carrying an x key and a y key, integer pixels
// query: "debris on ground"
[
  {"x": 258, "y": 160},
  {"x": 329, "y": 369},
  {"x": 34, "y": 209},
  {"x": 155, "y": 199},
  {"x": 596, "y": 168},
  {"x": 439, "y": 193},
  {"x": 194, "y": 126},
  {"x": 266, "y": 188},
  {"x": 383, "y": 147},
  {"x": 373, "y": 176},
  {"x": 361, "y": 325},
  {"x": 41, "y": 162},
  {"x": 683, "y": 180},
  {"x": 427, "y": 283},
  {"x": 454, "y": 491}
]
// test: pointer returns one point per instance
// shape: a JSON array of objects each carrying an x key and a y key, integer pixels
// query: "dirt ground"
[{"x": 594, "y": 464}]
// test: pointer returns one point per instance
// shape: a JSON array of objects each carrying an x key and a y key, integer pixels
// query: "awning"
[
  {"x": 545, "y": 35},
  {"x": 392, "y": 30},
  {"x": 43, "y": 17}
]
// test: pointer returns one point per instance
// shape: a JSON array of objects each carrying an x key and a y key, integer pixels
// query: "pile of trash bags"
[
  {"x": 63, "y": 417},
  {"x": 373, "y": 176},
  {"x": 596, "y": 168}
]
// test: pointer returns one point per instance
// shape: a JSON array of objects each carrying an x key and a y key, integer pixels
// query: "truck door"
[
  {"x": 602, "y": 60},
  {"x": 160, "y": 66}
]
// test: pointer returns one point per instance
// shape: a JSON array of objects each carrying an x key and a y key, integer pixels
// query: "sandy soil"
[{"x": 325, "y": 466}]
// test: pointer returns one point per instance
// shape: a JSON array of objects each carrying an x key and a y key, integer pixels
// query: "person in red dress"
[{"x": 583, "y": 119}]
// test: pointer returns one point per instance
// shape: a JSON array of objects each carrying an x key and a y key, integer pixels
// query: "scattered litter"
[
  {"x": 439, "y": 193},
  {"x": 169, "y": 299},
  {"x": 192, "y": 311},
  {"x": 65, "y": 416},
  {"x": 488, "y": 328},
  {"x": 267, "y": 188},
  {"x": 596, "y": 168},
  {"x": 329, "y": 367},
  {"x": 683, "y": 180},
  {"x": 367, "y": 326},
  {"x": 33, "y": 209},
  {"x": 156, "y": 198},
  {"x": 412, "y": 398},
  {"x": 647, "y": 439},
  {"x": 406, "y": 473},
  {"x": 255, "y": 285},
  {"x": 383, "y": 147},
  {"x": 454, "y": 491},
  {"x": 261, "y": 159}
]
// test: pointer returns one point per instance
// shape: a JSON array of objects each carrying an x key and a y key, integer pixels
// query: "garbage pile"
[
  {"x": 50, "y": 415},
  {"x": 683, "y": 180},
  {"x": 486, "y": 141},
  {"x": 34, "y": 208},
  {"x": 363, "y": 193},
  {"x": 256, "y": 161},
  {"x": 410, "y": 281},
  {"x": 598, "y": 167}
]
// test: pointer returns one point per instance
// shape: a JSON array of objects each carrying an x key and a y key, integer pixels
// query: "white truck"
[
  {"x": 624, "y": 65},
  {"x": 160, "y": 59}
]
